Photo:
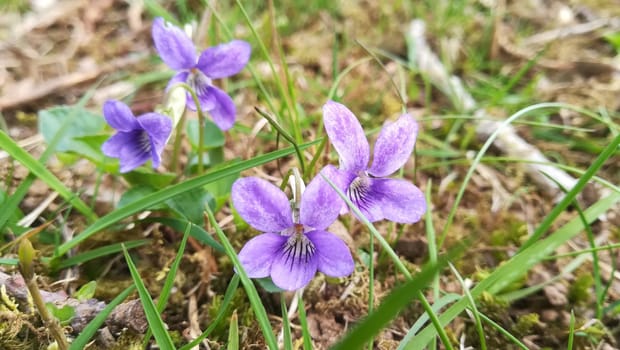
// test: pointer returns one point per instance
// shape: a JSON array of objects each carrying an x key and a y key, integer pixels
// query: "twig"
[
  {"x": 507, "y": 141},
  {"x": 28, "y": 91},
  {"x": 573, "y": 30}
]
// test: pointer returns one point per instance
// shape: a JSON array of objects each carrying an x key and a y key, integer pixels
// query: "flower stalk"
[{"x": 26, "y": 258}]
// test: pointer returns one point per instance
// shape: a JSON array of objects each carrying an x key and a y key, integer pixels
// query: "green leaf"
[
  {"x": 86, "y": 291},
  {"x": 87, "y": 123},
  {"x": 191, "y": 205},
  {"x": 213, "y": 136},
  {"x": 83, "y": 338},
  {"x": 44, "y": 174},
  {"x": 233, "y": 333},
  {"x": 146, "y": 177},
  {"x": 268, "y": 285},
  {"x": 156, "y": 324},
  {"x": 63, "y": 314},
  {"x": 135, "y": 193},
  {"x": 162, "y": 195}
]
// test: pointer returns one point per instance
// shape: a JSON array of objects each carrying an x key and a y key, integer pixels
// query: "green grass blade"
[
  {"x": 92, "y": 327},
  {"x": 303, "y": 321},
  {"x": 9, "y": 261},
  {"x": 571, "y": 331},
  {"x": 397, "y": 262},
  {"x": 570, "y": 196},
  {"x": 484, "y": 149},
  {"x": 162, "y": 301},
  {"x": 99, "y": 252},
  {"x": 233, "y": 333},
  {"x": 286, "y": 325},
  {"x": 171, "y": 191},
  {"x": 500, "y": 329},
  {"x": 250, "y": 289},
  {"x": 39, "y": 170},
  {"x": 156, "y": 324},
  {"x": 473, "y": 308},
  {"x": 8, "y": 207},
  {"x": 517, "y": 266},
  {"x": 391, "y": 305},
  {"x": 228, "y": 295},
  {"x": 195, "y": 231}
]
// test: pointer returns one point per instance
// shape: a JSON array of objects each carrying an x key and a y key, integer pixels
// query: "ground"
[{"x": 508, "y": 55}]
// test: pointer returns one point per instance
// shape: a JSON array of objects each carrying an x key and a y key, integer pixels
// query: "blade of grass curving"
[
  {"x": 93, "y": 326},
  {"x": 228, "y": 295},
  {"x": 39, "y": 170},
  {"x": 250, "y": 289},
  {"x": 303, "y": 321},
  {"x": 99, "y": 252},
  {"x": 500, "y": 329},
  {"x": 156, "y": 324},
  {"x": 607, "y": 152},
  {"x": 371, "y": 282},
  {"x": 162, "y": 301},
  {"x": 171, "y": 191},
  {"x": 484, "y": 149},
  {"x": 396, "y": 260},
  {"x": 9, "y": 206},
  {"x": 391, "y": 305},
  {"x": 517, "y": 266},
  {"x": 472, "y": 307},
  {"x": 286, "y": 325}
]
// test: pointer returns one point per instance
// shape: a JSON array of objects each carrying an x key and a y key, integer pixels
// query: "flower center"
[
  {"x": 358, "y": 191},
  {"x": 298, "y": 249},
  {"x": 144, "y": 143},
  {"x": 198, "y": 81}
]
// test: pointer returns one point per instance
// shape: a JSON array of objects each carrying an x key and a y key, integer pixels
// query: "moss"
[
  {"x": 526, "y": 324},
  {"x": 579, "y": 291}
]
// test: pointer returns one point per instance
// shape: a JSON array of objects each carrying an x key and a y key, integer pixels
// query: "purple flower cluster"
[
  {"x": 143, "y": 138},
  {"x": 295, "y": 245}
]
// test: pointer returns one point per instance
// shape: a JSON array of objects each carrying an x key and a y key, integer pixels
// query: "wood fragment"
[{"x": 129, "y": 314}]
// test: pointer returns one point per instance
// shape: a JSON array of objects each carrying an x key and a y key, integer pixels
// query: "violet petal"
[
  {"x": 180, "y": 77},
  {"x": 257, "y": 254},
  {"x": 347, "y": 136},
  {"x": 333, "y": 255},
  {"x": 394, "y": 146},
  {"x": 225, "y": 59},
  {"x": 174, "y": 46},
  {"x": 202, "y": 88},
  {"x": 134, "y": 154},
  {"x": 223, "y": 111},
  {"x": 119, "y": 116},
  {"x": 400, "y": 200},
  {"x": 320, "y": 203},
  {"x": 158, "y": 128},
  {"x": 114, "y": 145},
  {"x": 290, "y": 273},
  {"x": 261, "y": 204}
]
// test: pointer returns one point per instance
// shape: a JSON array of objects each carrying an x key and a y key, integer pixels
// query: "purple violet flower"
[
  {"x": 177, "y": 50},
  {"x": 294, "y": 244},
  {"x": 377, "y": 197},
  {"x": 137, "y": 139}
]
